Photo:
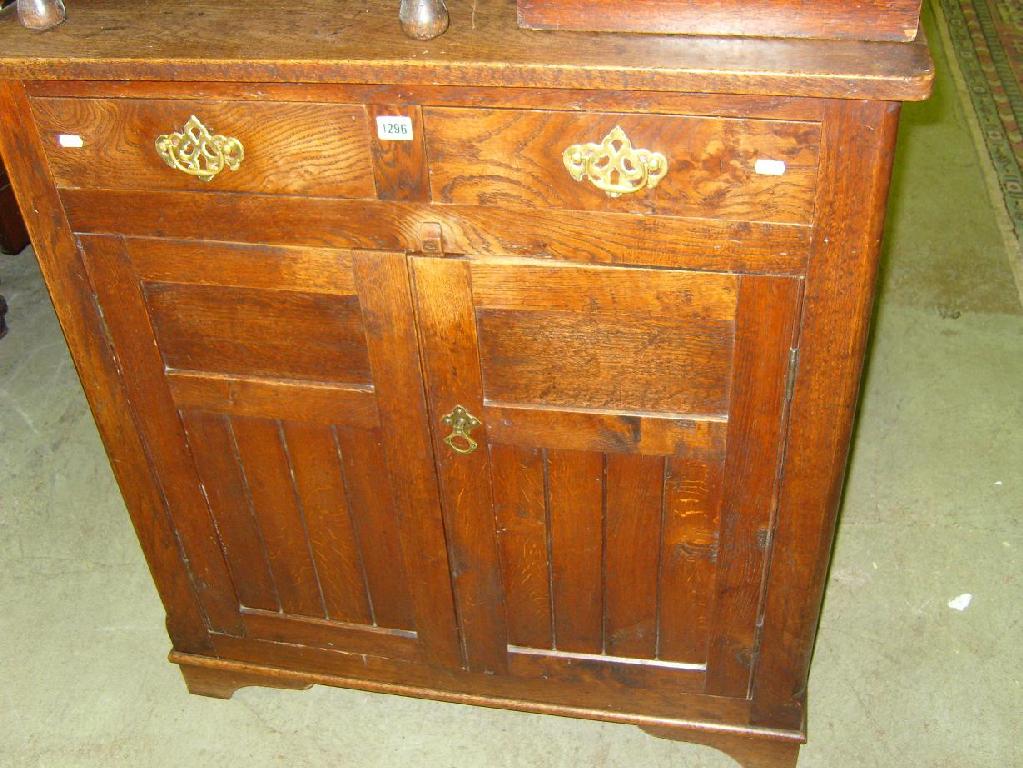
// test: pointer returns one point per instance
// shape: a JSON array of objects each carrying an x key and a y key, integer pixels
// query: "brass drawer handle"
[
  {"x": 462, "y": 423},
  {"x": 198, "y": 152},
  {"x": 614, "y": 166}
]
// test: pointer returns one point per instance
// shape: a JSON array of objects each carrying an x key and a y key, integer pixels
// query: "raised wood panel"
[
  {"x": 571, "y": 288},
  {"x": 249, "y": 332},
  {"x": 647, "y": 434},
  {"x": 511, "y": 157},
  {"x": 623, "y": 361},
  {"x": 308, "y": 149},
  {"x": 520, "y": 507},
  {"x": 265, "y": 267},
  {"x": 834, "y": 19},
  {"x": 578, "y": 236},
  {"x": 263, "y": 454},
  {"x": 273, "y": 398},
  {"x": 575, "y": 498}
]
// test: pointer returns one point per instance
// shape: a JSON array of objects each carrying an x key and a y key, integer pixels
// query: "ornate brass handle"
[
  {"x": 198, "y": 152},
  {"x": 614, "y": 166},
  {"x": 462, "y": 423}
]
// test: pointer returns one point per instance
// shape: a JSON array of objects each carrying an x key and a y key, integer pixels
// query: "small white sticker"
[
  {"x": 70, "y": 140},
  {"x": 770, "y": 167},
  {"x": 394, "y": 128}
]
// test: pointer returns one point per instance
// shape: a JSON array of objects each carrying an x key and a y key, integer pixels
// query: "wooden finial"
[{"x": 423, "y": 19}]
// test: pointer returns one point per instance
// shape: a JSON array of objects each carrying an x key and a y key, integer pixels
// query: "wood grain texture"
[
  {"x": 386, "y": 300},
  {"x": 371, "y": 508},
  {"x": 831, "y": 19},
  {"x": 859, "y": 145},
  {"x": 622, "y": 361},
  {"x": 447, "y": 332},
  {"x": 482, "y": 47},
  {"x": 263, "y": 453},
  {"x": 688, "y": 556},
  {"x": 520, "y": 507},
  {"x": 605, "y": 432},
  {"x": 634, "y": 490},
  {"x": 320, "y": 488},
  {"x": 308, "y": 149},
  {"x": 380, "y": 93},
  {"x": 399, "y": 166},
  {"x": 119, "y": 294},
  {"x": 211, "y": 441},
  {"x": 275, "y": 398},
  {"x": 262, "y": 267},
  {"x": 765, "y": 334},
  {"x": 67, "y": 282},
  {"x": 512, "y": 157},
  {"x": 246, "y": 332},
  {"x": 578, "y": 236},
  {"x": 575, "y": 498},
  {"x": 331, "y": 635},
  {"x": 747, "y": 750}
]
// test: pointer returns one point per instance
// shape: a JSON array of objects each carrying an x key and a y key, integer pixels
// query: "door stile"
[{"x": 448, "y": 338}]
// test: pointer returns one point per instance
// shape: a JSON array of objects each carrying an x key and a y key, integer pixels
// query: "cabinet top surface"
[{"x": 362, "y": 41}]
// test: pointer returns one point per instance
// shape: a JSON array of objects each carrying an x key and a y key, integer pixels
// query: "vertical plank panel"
[
  {"x": 575, "y": 481},
  {"x": 692, "y": 506},
  {"x": 382, "y": 281},
  {"x": 373, "y": 516},
  {"x": 447, "y": 326},
  {"x": 520, "y": 508},
  {"x": 268, "y": 473},
  {"x": 212, "y": 445},
  {"x": 399, "y": 167},
  {"x": 635, "y": 486},
  {"x": 124, "y": 309},
  {"x": 765, "y": 322},
  {"x": 858, "y": 147},
  {"x": 321, "y": 493}
]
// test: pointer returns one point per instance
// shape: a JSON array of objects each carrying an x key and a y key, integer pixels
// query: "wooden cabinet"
[{"x": 543, "y": 406}]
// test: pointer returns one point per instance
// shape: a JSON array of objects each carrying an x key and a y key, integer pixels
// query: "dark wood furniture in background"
[
  {"x": 466, "y": 415},
  {"x": 13, "y": 237}
]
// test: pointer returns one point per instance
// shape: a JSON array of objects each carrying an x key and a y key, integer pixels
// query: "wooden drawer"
[
  {"x": 286, "y": 148},
  {"x": 518, "y": 157}
]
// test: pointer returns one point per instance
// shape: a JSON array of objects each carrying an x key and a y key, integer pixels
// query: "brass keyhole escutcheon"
[{"x": 462, "y": 423}]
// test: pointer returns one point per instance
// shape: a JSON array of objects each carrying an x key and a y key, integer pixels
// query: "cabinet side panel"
[
  {"x": 859, "y": 140},
  {"x": 69, "y": 288}
]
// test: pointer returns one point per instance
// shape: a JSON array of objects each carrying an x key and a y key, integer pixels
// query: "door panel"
[
  {"x": 257, "y": 395},
  {"x": 623, "y": 413}
]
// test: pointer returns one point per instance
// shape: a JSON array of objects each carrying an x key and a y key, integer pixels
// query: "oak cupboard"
[{"x": 543, "y": 404}]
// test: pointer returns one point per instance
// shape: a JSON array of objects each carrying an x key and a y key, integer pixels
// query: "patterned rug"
[{"x": 987, "y": 41}]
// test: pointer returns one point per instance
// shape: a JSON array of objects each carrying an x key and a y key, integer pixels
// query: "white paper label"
[
  {"x": 770, "y": 167},
  {"x": 71, "y": 140},
  {"x": 394, "y": 128}
]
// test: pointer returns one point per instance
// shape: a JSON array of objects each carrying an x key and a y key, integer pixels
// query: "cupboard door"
[
  {"x": 279, "y": 396},
  {"x": 607, "y": 443}
]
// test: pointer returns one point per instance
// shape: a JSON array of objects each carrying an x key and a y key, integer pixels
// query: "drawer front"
[
  {"x": 709, "y": 168},
  {"x": 268, "y": 148}
]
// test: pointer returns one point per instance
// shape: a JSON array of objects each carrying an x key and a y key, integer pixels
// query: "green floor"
[{"x": 932, "y": 510}]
